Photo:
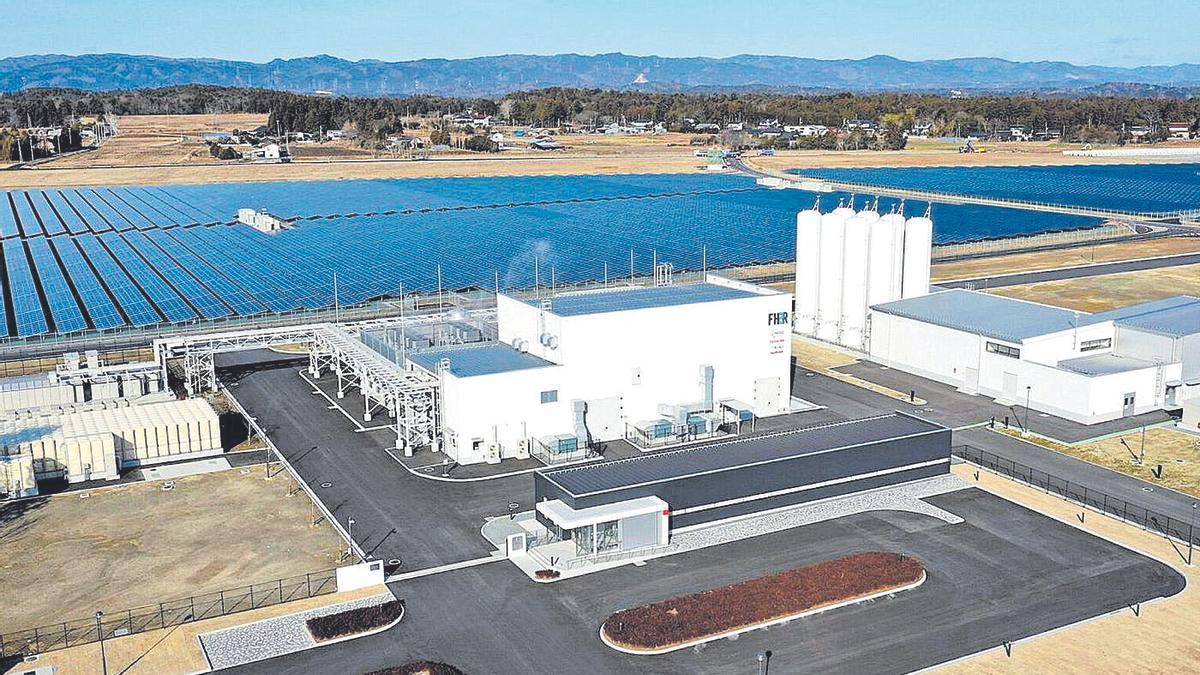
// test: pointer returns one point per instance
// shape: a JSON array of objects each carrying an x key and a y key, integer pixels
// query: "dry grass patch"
[
  {"x": 1177, "y": 452},
  {"x": 1100, "y": 293},
  {"x": 65, "y": 557}
]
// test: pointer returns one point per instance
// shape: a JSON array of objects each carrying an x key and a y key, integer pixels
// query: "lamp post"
[
  {"x": 1028, "y": 396},
  {"x": 350, "y": 536},
  {"x": 100, "y": 634},
  {"x": 1191, "y": 532},
  {"x": 764, "y": 662}
]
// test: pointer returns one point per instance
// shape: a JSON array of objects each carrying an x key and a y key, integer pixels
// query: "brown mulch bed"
[
  {"x": 354, "y": 621},
  {"x": 756, "y": 601},
  {"x": 419, "y": 668}
]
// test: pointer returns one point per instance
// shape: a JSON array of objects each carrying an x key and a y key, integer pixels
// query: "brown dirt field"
[
  {"x": 1097, "y": 294},
  {"x": 1162, "y": 639},
  {"x": 177, "y": 649},
  {"x": 314, "y": 170},
  {"x": 1072, "y": 257},
  {"x": 931, "y": 153},
  {"x": 64, "y": 557},
  {"x": 160, "y": 139},
  {"x": 1179, "y": 454}
]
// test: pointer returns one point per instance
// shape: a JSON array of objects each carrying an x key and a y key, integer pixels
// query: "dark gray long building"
[{"x": 701, "y": 485}]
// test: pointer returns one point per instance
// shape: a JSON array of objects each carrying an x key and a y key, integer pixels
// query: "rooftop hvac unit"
[{"x": 808, "y": 269}]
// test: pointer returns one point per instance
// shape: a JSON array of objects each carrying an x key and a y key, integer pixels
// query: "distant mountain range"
[{"x": 497, "y": 75}]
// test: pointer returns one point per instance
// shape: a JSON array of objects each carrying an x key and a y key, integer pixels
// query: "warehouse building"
[
  {"x": 656, "y": 365},
  {"x": 636, "y": 503},
  {"x": 1088, "y": 368},
  {"x": 97, "y": 443}
]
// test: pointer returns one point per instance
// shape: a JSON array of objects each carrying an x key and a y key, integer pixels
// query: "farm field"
[
  {"x": 131, "y": 545},
  {"x": 1100, "y": 293},
  {"x": 160, "y": 139}
]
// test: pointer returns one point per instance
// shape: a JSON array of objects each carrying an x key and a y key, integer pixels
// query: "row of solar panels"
[
  {"x": 33, "y": 213},
  {"x": 79, "y": 280}
]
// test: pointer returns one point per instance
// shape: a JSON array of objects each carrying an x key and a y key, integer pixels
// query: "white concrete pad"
[{"x": 170, "y": 471}]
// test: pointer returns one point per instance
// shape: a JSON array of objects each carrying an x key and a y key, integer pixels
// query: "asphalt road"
[
  {"x": 1098, "y": 269},
  {"x": 1005, "y": 573},
  {"x": 422, "y": 522}
]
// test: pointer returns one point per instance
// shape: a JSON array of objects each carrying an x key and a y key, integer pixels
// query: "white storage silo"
[
  {"x": 918, "y": 247},
  {"x": 829, "y": 283},
  {"x": 883, "y": 284},
  {"x": 870, "y": 215},
  {"x": 808, "y": 269},
  {"x": 854, "y": 282}
]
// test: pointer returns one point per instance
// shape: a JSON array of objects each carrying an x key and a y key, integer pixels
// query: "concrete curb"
[
  {"x": 765, "y": 624},
  {"x": 1052, "y": 631}
]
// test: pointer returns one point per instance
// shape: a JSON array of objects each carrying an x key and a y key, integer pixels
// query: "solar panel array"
[
  {"x": 106, "y": 257},
  {"x": 1142, "y": 188}
]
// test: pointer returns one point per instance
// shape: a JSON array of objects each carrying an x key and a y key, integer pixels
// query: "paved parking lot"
[{"x": 1005, "y": 573}]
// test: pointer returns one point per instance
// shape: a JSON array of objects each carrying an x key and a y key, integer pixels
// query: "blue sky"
[{"x": 1104, "y": 32}]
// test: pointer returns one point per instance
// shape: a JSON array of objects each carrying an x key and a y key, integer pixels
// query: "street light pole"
[
  {"x": 1191, "y": 532},
  {"x": 1028, "y": 395},
  {"x": 350, "y": 536},
  {"x": 100, "y": 634}
]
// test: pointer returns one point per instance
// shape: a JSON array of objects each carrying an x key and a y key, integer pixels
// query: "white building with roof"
[
  {"x": 1084, "y": 367},
  {"x": 654, "y": 364}
]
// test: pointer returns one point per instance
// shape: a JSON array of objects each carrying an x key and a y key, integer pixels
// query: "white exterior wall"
[
  {"x": 904, "y": 344},
  {"x": 502, "y": 409},
  {"x": 1191, "y": 414},
  {"x": 643, "y": 357}
]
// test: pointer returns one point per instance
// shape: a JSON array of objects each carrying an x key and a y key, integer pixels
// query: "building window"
[
  {"x": 550, "y": 396},
  {"x": 1092, "y": 345},
  {"x": 1003, "y": 350}
]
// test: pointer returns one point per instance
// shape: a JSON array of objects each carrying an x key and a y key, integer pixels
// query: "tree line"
[{"x": 1088, "y": 119}]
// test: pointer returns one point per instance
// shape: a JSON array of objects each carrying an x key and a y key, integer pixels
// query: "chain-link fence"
[
  {"x": 1177, "y": 528},
  {"x": 166, "y": 614}
]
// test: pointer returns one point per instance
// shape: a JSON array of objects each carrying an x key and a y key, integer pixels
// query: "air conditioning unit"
[
  {"x": 522, "y": 449},
  {"x": 493, "y": 454}
]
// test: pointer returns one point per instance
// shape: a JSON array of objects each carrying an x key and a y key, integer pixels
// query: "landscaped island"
[{"x": 681, "y": 621}]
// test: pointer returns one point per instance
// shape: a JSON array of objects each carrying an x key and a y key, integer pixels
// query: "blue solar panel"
[
  {"x": 160, "y": 292},
  {"x": 115, "y": 197},
  {"x": 110, "y": 214},
  {"x": 27, "y": 307},
  {"x": 63, "y": 308},
  {"x": 237, "y": 298},
  {"x": 184, "y": 283},
  {"x": 131, "y": 298},
  {"x": 8, "y": 221},
  {"x": 50, "y": 222},
  {"x": 100, "y": 308},
  {"x": 26, "y": 215},
  {"x": 252, "y": 272},
  {"x": 156, "y": 209},
  {"x": 96, "y": 222},
  {"x": 75, "y": 224}
]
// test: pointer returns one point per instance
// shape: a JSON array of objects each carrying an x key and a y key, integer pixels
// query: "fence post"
[
  {"x": 129, "y": 619},
  {"x": 308, "y": 580},
  {"x": 222, "y": 603},
  {"x": 192, "y": 602},
  {"x": 66, "y": 636},
  {"x": 251, "y": 596},
  {"x": 162, "y": 621},
  {"x": 281, "y": 591},
  {"x": 37, "y": 640}
]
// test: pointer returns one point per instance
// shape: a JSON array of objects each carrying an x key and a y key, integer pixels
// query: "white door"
[
  {"x": 767, "y": 395},
  {"x": 971, "y": 379},
  {"x": 1010, "y": 386}
]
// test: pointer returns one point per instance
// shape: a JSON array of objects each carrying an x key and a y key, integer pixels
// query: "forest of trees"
[{"x": 1089, "y": 119}]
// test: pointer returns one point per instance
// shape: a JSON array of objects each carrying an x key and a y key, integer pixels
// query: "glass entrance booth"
[{"x": 622, "y": 526}]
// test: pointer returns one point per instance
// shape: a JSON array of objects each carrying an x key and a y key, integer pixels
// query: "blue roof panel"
[
  {"x": 1175, "y": 317},
  {"x": 990, "y": 315},
  {"x": 472, "y": 360},
  {"x": 640, "y": 297}
]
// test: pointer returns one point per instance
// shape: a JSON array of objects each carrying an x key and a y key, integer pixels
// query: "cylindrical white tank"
[
  {"x": 854, "y": 282},
  {"x": 882, "y": 282},
  {"x": 845, "y": 209},
  {"x": 829, "y": 284},
  {"x": 918, "y": 248},
  {"x": 869, "y": 215},
  {"x": 808, "y": 269}
]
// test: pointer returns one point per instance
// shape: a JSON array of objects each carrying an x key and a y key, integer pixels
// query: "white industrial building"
[
  {"x": 847, "y": 261},
  {"x": 1084, "y": 367},
  {"x": 657, "y": 365}
]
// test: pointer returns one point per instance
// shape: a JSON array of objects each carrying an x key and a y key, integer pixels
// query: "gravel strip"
[
  {"x": 905, "y": 497},
  {"x": 269, "y": 638}
]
